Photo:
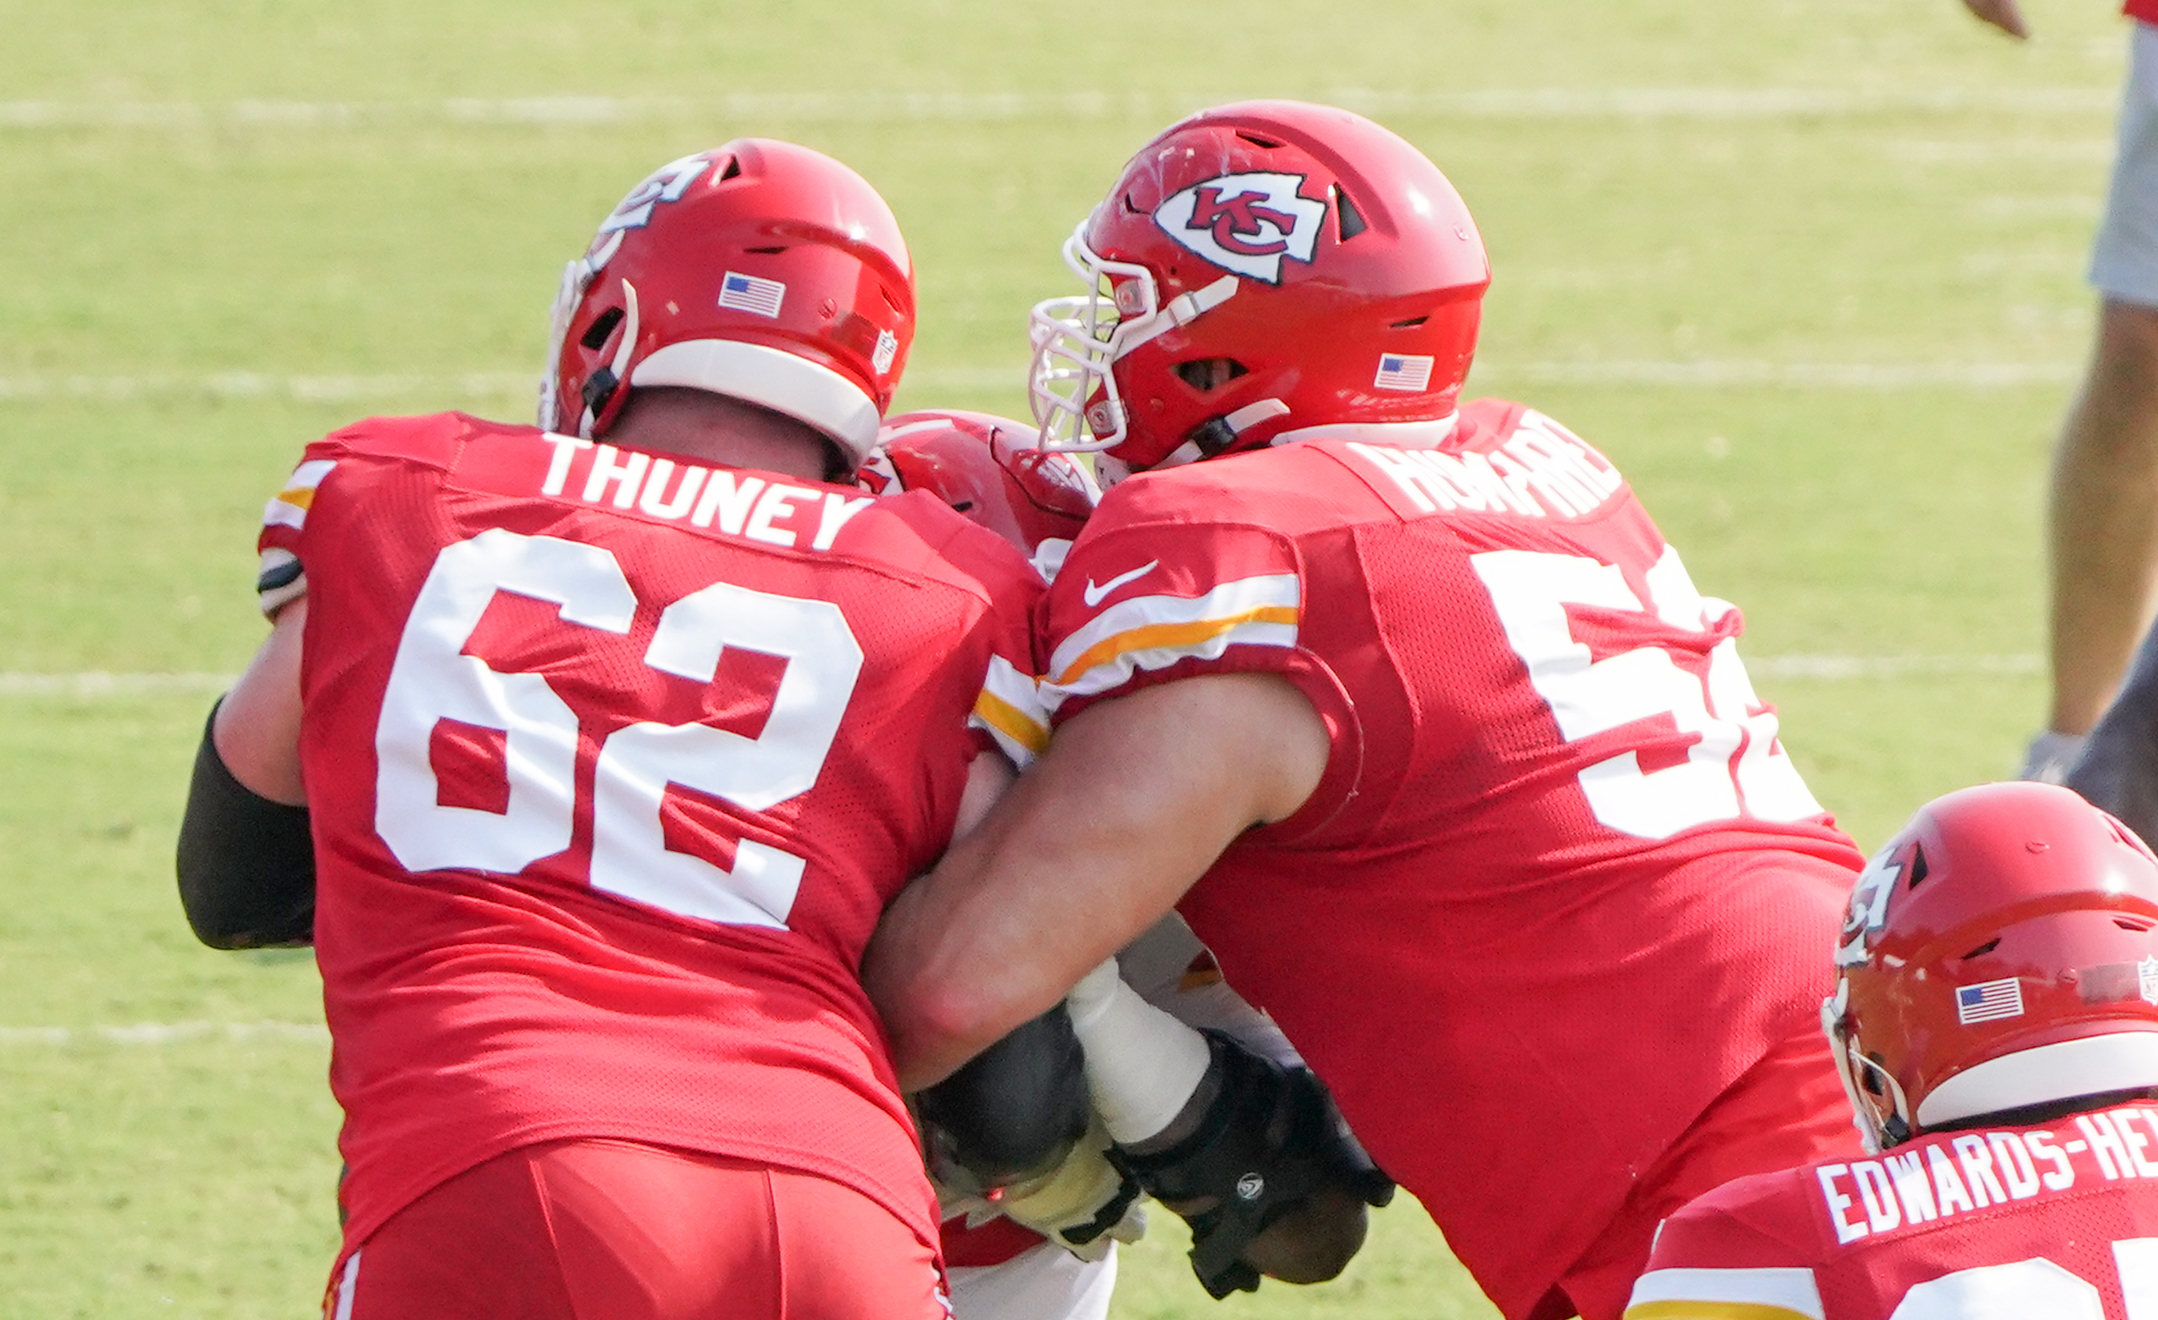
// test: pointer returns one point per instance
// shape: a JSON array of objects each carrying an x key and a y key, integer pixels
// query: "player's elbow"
[
  {"x": 245, "y": 864},
  {"x": 934, "y": 1023}
]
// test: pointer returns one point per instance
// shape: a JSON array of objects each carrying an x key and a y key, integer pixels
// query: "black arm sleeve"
[
  {"x": 2118, "y": 770},
  {"x": 246, "y": 864},
  {"x": 1013, "y": 1111}
]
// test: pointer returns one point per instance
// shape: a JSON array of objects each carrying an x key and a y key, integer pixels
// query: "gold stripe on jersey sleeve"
[
  {"x": 1674, "y": 1310},
  {"x": 1010, "y": 708},
  {"x": 1777, "y": 1292},
  {"x": 1002, "y": 717},
  {"x": 288, "y": 507},
  {"x": 1170, "y": 637}
]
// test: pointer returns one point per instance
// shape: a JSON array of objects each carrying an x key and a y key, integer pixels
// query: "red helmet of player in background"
[
  {"x": 1259, "y": 269},
  {"x": 2001, "y": 951},
  {"x": 759, "y": 270},
  {"x": 987, "y": 468}
]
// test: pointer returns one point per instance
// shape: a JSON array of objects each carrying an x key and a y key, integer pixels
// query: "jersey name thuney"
[{"x": 738, "y": 504}]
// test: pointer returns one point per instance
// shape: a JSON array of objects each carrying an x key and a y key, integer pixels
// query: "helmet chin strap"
[
  {"x": 1877, "y": 1133},
  {"x": 1221, "y": 434}
]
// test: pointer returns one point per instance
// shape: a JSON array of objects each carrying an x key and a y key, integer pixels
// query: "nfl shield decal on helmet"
[
  {"x": 1247, "y": 223},
  {"x": 2147, "y": 980}
]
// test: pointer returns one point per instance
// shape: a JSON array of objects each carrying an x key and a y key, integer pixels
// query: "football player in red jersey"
[
  {"x": 613, "y": 738},
  {"x": 1996, "y": 1018},
  {"x": 1410, "y": 710},
  {"x": 1042, "y": 1245}
]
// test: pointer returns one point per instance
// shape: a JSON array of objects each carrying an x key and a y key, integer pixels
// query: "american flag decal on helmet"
[
  {"x": 1408, "y": 372},
  {"x": 1989, "y": 1001},
  {"x": 747, "y": 293}
]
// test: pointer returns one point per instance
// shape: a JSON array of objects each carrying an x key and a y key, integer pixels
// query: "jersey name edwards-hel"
[
  {"x": 2055, "y": 1221},
  {"x": 613, "y": 760},
  {"x": 1560, "y": 884}
]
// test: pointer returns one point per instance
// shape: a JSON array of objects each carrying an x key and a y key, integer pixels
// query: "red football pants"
[
  {"x": 1788, "y": 1109},
  {"x": 613, "y": 1230}
]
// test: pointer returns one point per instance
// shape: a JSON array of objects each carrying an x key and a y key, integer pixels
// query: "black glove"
[{"x": 1269, "y": 1140}]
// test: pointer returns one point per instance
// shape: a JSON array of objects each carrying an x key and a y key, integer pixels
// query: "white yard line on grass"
[
  {"x": 98, "y": 683},
  {"x": 1787, "y": 375},
  {"x": 507, "y": 385},
  {"x": 1892, "y": 666},
  {"x": 168, "y": 1033},
  {"x": 1711, "y": 104},
  {"x": 266, "y": 385}
]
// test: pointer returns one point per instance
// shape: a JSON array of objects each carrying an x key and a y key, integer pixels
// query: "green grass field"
[{"x": 1809, "y": 272}]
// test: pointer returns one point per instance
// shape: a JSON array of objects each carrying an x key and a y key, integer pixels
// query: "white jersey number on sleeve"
[
  {"x": 1531, "y": 590},
  {"x": 432, "y": 680}
]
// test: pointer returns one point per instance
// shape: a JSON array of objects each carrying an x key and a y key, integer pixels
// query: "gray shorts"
[{"x": 2124, "y": 261}]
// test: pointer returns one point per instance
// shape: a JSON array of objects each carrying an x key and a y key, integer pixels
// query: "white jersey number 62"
[{"x": 433, "y": 680}]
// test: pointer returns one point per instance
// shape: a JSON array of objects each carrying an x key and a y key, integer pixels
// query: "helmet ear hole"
[
  {"x": 595, "y": 335},
  {"x": 1208, "y": 374},
  {"x": 1349, "y": 222}
]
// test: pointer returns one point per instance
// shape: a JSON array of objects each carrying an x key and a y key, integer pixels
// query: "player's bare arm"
[
  {"x": 257, "y": 729},
  {"x": 1134, "y": 800}
]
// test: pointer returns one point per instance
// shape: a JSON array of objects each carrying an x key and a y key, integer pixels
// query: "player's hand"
[{"x": 2006, "y": 15}]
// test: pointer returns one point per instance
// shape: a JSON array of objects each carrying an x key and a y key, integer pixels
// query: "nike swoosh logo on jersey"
[{"x": 1094, "y": 594}]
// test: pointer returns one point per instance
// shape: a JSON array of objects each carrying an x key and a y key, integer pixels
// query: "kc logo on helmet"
[
  {"x": 665, "y": 184},
  {"x": 1246, "y": 223}
]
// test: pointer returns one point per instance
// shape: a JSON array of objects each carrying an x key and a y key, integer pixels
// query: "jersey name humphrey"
[{"x": 1247, "y": 223}]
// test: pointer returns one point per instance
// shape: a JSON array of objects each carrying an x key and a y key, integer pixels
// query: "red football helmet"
[
  {"x": 1326, "y": 264},
  {"x": 987, "y": 468},
  {"x": 2001, "y": 951},
  {"x": 760, "y": 270}
]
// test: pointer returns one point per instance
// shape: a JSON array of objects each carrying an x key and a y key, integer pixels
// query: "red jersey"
[
  {"x": 613, "y": 760},
  {"x": 2058, "y": 1220},
  {"x": 1556, "y": 827}
]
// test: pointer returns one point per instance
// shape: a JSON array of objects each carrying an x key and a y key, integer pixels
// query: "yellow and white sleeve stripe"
[
  {"x": 288, "y": 507},
  {"x": 1154, "y": 632},
  {"x": 1754, "y": 1294},
  {"x": 1010, "y": 709}
]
